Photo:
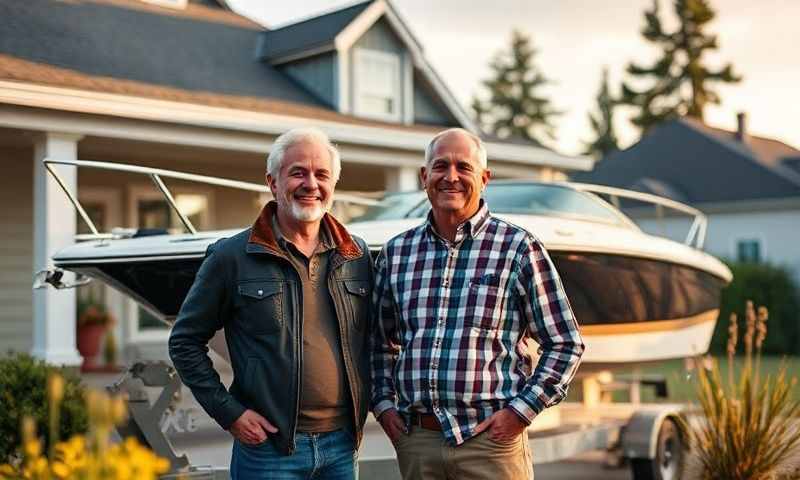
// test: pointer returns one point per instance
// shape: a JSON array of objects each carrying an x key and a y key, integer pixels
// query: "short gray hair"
[
  {"x": 481, "y": 149},
  {"x": 299, "y": 135}
]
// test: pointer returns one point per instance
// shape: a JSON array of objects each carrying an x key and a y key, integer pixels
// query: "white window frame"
[
  {"x": 762, "y": 246},
  {"x": 138, "y": 192},
  {"x": 362, "y": 55},
  {"x": 115, "y": 302}
]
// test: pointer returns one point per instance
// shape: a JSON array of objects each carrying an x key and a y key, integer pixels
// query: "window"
[
  {"x": 377, "y": 85},
  {"x": 749, "y": 250},
  {"x": 149, "y": 210}
]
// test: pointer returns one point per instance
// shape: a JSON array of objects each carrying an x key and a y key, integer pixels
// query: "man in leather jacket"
[{"x": 293, "y": 295}]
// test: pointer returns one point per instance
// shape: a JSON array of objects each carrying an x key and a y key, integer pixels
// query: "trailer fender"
[{"x": 640, "y": 434}]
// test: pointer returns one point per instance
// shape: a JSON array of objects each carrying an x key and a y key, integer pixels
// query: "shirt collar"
[
  {"x": 325, "y": 240},
  {"x": 468, "y": 228}
]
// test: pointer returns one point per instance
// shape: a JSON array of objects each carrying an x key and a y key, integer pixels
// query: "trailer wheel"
[{"x": 670, "y": 451}]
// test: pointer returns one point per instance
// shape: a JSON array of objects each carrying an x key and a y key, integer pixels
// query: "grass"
[{"x": 680, "y": 383}]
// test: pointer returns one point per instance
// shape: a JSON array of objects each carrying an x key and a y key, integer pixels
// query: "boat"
[{"x": 637, "y": 297}]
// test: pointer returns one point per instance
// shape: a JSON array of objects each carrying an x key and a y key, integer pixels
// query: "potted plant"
[{"x": 93, "y": 320}]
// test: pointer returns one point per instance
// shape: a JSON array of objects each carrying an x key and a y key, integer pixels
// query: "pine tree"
[
  {"x": 602, "y": 122},
  {"x": 679, "y": 77},
  {"x": 516, "y": 108}
]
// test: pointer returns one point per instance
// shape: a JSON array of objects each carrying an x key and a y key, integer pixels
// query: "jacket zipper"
[{"x": 347, "y": 357}]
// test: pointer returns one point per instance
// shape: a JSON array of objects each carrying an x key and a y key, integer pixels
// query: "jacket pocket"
[
  {"x": 260, "y": 306},
  {"x": 358, "y": 296}
]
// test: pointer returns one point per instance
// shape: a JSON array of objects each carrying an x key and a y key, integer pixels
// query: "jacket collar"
[{"x": 263, "y": 234}]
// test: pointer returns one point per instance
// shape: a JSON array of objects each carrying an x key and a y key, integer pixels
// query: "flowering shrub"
[
  {"x": 23, "y": 392},
  {"x": 748, "y": 426},
  {"x": 83, "y": 457}
]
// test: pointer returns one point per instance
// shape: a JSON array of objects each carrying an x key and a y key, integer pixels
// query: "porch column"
[
  {"x": 402, "y": 178},
  {"x": 53, "y": 229}
]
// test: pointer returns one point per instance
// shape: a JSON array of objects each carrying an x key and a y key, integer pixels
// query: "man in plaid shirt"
[{"x": 457, "y": 298}]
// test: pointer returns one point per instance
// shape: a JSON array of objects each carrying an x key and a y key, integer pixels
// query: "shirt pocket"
[
  {"x": 483, "y": 308},
  {"x": 357, "y": 293},
  {"x": 260, "y": 306}
]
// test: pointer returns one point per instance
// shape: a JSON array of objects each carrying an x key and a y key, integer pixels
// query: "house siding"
[
  {"x": 380, "y": 37},
  {"x": 315, "y": 74},
  {"x": 427, "y": 112},
  {"x": 16, "y": 252}
]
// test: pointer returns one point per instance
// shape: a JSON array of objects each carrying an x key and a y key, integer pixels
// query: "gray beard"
[{"x": 307, "y": 214}]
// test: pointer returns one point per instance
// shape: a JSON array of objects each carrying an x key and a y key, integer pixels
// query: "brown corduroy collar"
[{"x": 262, "y": 233}]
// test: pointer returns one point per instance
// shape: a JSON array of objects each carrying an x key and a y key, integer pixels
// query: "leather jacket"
[{"x": 247, "y": 286}]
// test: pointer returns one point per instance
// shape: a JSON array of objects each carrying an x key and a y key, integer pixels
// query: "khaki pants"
[{"x": 424, "y": 454}]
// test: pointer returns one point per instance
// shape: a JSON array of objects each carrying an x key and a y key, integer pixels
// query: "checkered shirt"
[{"x": 454, "y": 322}]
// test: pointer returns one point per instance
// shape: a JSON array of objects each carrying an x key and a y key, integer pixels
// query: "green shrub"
[
  {"x": 764, "y": 284},
  {"x": 23, "y": 391}
]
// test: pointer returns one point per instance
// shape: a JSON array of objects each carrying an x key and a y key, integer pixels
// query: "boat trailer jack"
[{"x": 144, "y": 418}]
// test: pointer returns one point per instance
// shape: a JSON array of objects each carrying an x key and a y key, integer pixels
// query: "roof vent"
[{"x": 741, "y": 127}]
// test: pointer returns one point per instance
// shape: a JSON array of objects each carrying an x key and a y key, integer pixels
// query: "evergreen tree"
[
  {"x": 516, "y": 108},
  {"x": 679, "y": 77},
  {"x": 602, "y": 122}
]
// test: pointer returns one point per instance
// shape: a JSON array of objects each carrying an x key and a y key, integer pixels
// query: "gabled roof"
[
  {"x": 311, "y": 35},
  {"x": 198, "y": 49},
  {"x": 339, "y": 30},
  {"x": 694, "y": 163}
]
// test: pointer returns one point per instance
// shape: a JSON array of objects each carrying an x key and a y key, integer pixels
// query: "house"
[
  {"x": 748, "y": 186},
  {"x": 190, "y": 85}
]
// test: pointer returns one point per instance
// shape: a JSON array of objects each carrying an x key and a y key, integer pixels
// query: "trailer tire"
[{"x": 669, "y": 459}]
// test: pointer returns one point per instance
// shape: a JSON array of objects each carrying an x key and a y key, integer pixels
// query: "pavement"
[{"x": 195, "y": 434}]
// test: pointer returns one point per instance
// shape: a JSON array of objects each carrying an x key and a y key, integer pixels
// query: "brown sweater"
[{"x": 324, "y": 402}]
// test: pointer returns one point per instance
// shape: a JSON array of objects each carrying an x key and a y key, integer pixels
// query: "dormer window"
[{"x": 377, "y": 85}]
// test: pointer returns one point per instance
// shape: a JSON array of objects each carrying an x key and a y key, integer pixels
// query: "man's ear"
[
  {"x": 486, "y": 175},
  {"x": 423, "y": 176},
  {"x": 271, "y": 183}
]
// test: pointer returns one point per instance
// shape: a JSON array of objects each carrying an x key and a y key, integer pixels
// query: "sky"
[{"x": 576, "y": 39}]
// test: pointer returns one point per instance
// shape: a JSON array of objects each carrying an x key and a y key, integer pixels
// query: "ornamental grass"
[
  {"x": 83, "y": 457},
  {"x": 747, "y": 427}
]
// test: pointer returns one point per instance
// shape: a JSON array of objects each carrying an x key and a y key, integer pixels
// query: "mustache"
[{"x": 449, "y": 186}]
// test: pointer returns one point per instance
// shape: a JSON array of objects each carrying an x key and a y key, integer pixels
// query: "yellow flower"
[
  {"x": 61, "y": 470},
  {"x": 119, "y": 410},
  {"x": 28, "y": 428},
  {"x": 55, "y": 388},
  {"x": 32, "y": 448}
]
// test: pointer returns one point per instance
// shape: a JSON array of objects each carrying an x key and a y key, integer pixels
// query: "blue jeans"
[{"x": 324, "y": 456}]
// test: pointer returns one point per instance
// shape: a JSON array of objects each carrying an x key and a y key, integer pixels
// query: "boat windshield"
[{"x": 512, "y": 198}]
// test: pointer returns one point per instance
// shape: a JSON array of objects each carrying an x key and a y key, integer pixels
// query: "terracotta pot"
[{"x": 89, "y": 337}]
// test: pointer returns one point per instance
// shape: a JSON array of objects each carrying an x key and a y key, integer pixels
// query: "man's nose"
[
  {"x": 451, "y": 174},
  {"x": 310, "y": 182}
]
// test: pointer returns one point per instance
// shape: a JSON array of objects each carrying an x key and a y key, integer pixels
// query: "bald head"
[{"x": 479, "y": 152}]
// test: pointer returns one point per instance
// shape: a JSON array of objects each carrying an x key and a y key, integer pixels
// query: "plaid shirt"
[{"x": 453, "y": 320}]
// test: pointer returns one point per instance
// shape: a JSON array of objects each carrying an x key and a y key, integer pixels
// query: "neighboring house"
[
  {"x": 748, "y": 186},
  {"x": 192, "y": 86}
]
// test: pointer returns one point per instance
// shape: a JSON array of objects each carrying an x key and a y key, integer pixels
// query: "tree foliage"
[
  {"x": 516, "y": 107},
  {"x": 679, "y": 79},
  {"x": 602, "y": 122}
]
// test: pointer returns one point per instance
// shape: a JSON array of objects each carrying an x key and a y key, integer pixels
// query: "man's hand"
[
  {"x": 251, "y": 428},
  {"x": 504, "y": 426},
  {"x": 393, "y": 424}
]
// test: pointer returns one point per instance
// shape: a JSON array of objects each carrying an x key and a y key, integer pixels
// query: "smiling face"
[
  {"x": 304, "y": 184},
  {"x": 453, "y": 177}
]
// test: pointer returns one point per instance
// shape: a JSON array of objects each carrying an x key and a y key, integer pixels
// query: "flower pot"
[{"x": 89, "y": 337}]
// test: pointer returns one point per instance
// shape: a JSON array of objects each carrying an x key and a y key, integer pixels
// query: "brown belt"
[{"x": 428, "y": 421}]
